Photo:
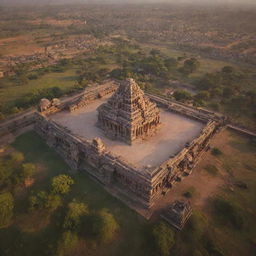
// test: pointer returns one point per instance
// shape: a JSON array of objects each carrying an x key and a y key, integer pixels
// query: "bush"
[
  {"x": 182, "y": 95},
  {"x": 163, "y": 238},
  {"x": 53, "y": 202},
  {"x": 32, "y": 77},
  {"x": 6, "y": 208},
  {"x": 189, "y": 193},
  {"x": 61, "y": 184},
  {"x": 105, "y": 226},
  {"x": 67, "y": 243},
  {"x": 75, "y": 212},
  {"x": 216, "y": 152}
]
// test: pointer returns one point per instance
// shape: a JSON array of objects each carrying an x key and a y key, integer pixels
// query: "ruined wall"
[
  {"x": 188, "y": 111},
  {"x": 19, "y": 122},
  {"x": 90, "y": 95}
]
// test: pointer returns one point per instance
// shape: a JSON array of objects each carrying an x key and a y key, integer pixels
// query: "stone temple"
[
  {"x": 128, "y": 115},
  {"x": 138, "y": 172}
]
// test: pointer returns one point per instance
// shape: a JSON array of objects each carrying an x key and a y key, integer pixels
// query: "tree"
[
  {"x": 53, "y": 202},
  {"x": 155, "y": 52},
  {"x": 61, "y": 184},
  {"x": 202, "y": 95},
  {"x": 182, "y": 95},
  {"x": 170, "y": 63},
  {"x": 189, "y": 66},
  {"x": 27, "y": 171},
  {"x": 6, "y": 208},
  {"x": 37, "y": 201},
  {"x": 76, "y": 210},
  {"x": 17, "y": 157},
  {"x": 163, "y": 238},
  {"x": 227, "y": 69},
  {"x": 67, "y": 243},
  {"x": 5, "y": 172},
  {"x": 105, "y": 226},
  {"x": 210, "y": 81}
]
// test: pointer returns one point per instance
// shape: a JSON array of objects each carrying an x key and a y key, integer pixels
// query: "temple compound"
[
  {"x": 122, "y": 112},
  {"x": 128, "y": 115}
]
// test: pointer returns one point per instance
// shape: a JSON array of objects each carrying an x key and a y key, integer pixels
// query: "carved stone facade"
[{"x": 129, "y": 114}]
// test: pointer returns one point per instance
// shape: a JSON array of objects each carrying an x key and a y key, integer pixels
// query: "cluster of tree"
[
  {"x": 190, "y": 66},
  {"x": 142, "y": 66},
  {"x": 51, "y": 200},
  {"x": 14, "y": 171},
  {"x": 79, "y": 223},
  {"x": 231, "y": 87},
  {"x": 33, "y": 98}
]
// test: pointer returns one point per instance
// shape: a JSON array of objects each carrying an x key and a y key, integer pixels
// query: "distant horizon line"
[{"x": 127, "y": 2}]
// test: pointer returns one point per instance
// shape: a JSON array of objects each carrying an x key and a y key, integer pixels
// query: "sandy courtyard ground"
[{"x": 175, "y": 131}]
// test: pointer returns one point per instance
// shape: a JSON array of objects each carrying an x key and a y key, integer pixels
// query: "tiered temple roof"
[{"x": 128, "y": 114}]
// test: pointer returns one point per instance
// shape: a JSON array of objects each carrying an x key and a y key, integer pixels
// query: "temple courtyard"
[{"x": 172, "y": 135}]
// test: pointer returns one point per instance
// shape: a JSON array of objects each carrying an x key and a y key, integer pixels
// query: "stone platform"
[{"x": 172, "y": 135}]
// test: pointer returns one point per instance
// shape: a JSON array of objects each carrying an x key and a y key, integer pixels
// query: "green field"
[
  {"x": 30, "y": 235},
  {"x": 64, "y": 80}
]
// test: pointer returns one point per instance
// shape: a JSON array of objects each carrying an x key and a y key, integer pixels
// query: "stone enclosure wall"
[{"x": 141, "y": 187}]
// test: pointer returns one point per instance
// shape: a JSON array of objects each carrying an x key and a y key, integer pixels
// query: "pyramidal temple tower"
[{"x": 129, "y": 114}]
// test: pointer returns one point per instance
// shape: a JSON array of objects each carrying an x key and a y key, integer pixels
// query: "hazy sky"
[{"x": 126, "y": 1}]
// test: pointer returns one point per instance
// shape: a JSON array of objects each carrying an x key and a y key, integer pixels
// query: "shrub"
[
  {"x": 105, "y": 226},
  {"x": 163, "y": 238},
  {"x": 189, "y": 193},
  {"x": 61, "y": 184},
  {"x": 75, "y": 212},
  {"x": 182, "y": 95},
  {"x": 53, "y": 202},
  {"x": 216, "y": 152},
  {"x": 67, "y": 243},
  {"x": 6, "y": 208}
]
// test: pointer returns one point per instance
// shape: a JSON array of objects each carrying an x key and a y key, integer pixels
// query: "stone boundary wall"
[
  {"x": 181, "y": 165},
  {"x": 17, "y": 123},
  {"x": 143, "y": 187},
  {"x": 91, "y": 95},
  {"x": 201, "y": 115}
]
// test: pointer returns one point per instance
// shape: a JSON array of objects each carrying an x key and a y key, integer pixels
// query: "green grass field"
[
  {"x": 63, "y": 80},
  {"x": 38, "y": 235}
]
